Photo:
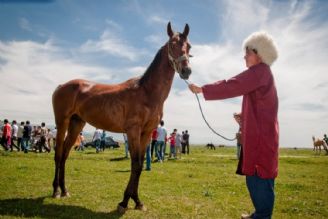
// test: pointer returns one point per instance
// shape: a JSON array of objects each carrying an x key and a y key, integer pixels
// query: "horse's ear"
[
  {"x": 186, "y": 30},
  {"x": 169, "y": 30}
]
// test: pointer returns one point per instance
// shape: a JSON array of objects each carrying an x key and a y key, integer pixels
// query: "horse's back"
[{"x": 68, "y": 98}]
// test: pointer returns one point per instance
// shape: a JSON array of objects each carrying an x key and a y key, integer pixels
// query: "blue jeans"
[
  {"x": 25, "y": 144},
  {"x": 126, "y": 149},
  {"x": 172, "y": 151},
  {"x": 262, "y": 195},
  {"x": 97, "y": 144},
  {"x": 81, "y": 147},
  {"x": 160, "y": 150},
  {"x": 148, "y": 158}
]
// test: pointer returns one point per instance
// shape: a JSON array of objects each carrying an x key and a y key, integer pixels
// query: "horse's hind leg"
[
  {"x": 61, "y": 131},
  {"x": 76, "y": 125}
]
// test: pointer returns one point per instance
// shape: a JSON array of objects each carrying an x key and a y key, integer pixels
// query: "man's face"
[{"x": 251, "y": 58}]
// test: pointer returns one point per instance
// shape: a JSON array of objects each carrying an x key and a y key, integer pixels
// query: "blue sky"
[{"x": 46, "y": 43}]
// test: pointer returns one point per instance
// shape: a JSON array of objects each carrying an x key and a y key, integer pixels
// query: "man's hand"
[{"x": 195, "y": 89}]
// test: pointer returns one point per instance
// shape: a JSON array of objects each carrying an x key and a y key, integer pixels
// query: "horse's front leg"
[
  {"x": 137, "y": 151},
  {"x": 136, "y": 167},
  {"x": 131, "y": 190}
]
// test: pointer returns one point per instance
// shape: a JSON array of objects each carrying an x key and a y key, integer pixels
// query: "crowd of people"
[
  {"x": 156, "y": 149},
  {"x": 25, "y": 137},
  {"x": 38, "y": 138},
  {"x": 179, "y": 143}
]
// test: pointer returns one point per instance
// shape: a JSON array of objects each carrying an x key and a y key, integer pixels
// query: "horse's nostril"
[{"x": 186, "y": 71}]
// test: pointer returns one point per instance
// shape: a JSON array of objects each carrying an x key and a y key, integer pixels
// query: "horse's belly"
[{"x": 107, "y": 118}]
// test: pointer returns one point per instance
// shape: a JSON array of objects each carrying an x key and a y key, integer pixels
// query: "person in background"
[
  {"x": 161, "y": 141},
  {"x": 14, "y": 132},
  {"x": 43, "y": 138},
  {"x": 178, "y": 139},
  {"x": 126, "y": 145},
  {"x": 259, "y": 115},
  {"x": 325, "y": 138},
  {"x": 103, "y": 140},
  {"x": 186, "y": 140},
  {"x": 172, "y": 143},
  {"x": 81, "y": 140},
  {"x": 325, "y": 143},
  {"x": 49, "y": 137},
  {"x": 148, "y": 156},
  {"x": 6, "y": 135},
  {"x": 27, "y": 136},
  {"x": 97, "y": 139},
  {"x": 183, "y": 143},
  {"x": 77, "y": 143},
  {"x": 20, "y": 136},
  {"x": 153, "y": 142},
  {"x": 54, "y": 135},
  {"x": 237, "y": 117},
  {"x": 36, "y": 138}
]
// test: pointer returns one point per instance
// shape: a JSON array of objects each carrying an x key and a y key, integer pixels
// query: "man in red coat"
[
  {"x": 6, "y": 135},
  {"x": 259, "y": 127}
]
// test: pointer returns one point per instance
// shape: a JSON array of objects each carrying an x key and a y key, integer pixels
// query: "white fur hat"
[{"x": 264, "y": 45}]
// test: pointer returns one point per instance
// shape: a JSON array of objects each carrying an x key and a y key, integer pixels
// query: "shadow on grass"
[
  {"x": 90, "y": 152},
  {"x": 36, "y": 208},
  {"x": 122, "y": 171},
  {"x": 119, "y": 159}
]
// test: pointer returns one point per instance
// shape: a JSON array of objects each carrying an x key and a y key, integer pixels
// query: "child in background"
[{"x": 172, "y": 143}]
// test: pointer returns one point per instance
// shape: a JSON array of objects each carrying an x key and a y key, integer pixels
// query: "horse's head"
[{"x": 178, "y": 51}]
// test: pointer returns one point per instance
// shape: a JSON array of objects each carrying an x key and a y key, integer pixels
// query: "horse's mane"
[{"x": 151, "y": 68}]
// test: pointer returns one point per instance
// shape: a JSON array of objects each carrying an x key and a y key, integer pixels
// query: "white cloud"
[
  {"x": 215, "y": 62},
  {"x": 30, "y": 72},
  {"x": 158, "y": 20},
  {"x": 242, "y": 16},
  {"x": 157, "y": 40},
  {"x": 112, "y": 44},
  {"x": 137, "y": 70}
]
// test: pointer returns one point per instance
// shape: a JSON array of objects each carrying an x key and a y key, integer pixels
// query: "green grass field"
[{"x": 200, "y": 185}]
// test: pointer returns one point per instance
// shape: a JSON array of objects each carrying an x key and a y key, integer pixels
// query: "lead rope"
[{"x": 208, "y": 125}]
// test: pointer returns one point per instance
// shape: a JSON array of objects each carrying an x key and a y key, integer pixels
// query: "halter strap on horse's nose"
[
  {"x": 175, "y": 61},
  {"x": 182, "y": 58}
]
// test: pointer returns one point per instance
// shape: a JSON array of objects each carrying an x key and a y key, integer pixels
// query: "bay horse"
[{"x": 134, "y": 107}]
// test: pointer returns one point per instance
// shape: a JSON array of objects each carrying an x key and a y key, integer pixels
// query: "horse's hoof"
[
  {"x": 56, "y": 195},
  {"x": 65, "y": 195},
  {"x": 121, "y": 210},
  {"x": 141, "y": 207}
]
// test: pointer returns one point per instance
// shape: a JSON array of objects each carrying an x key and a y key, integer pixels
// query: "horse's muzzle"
[{"x": 185, "y": 73}]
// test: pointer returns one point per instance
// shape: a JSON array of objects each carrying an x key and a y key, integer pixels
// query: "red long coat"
[
  {"x": 6, "y": 131},
  {"x": 260, "y": 130}
]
